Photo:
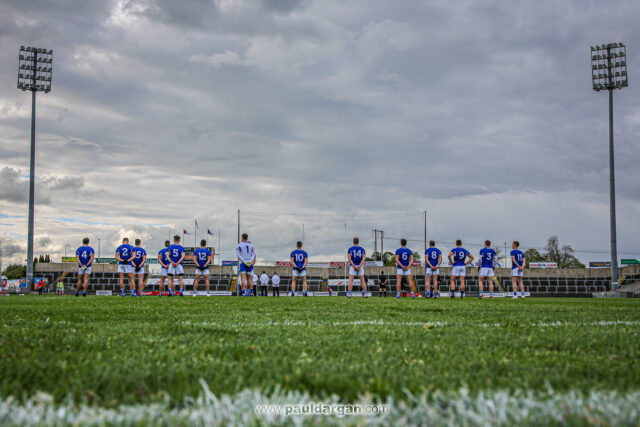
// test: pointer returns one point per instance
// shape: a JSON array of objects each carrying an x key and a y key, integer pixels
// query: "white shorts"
[
  {"x": 458, "y": 270},
  {"x": 516, "y": 272},
  {"x": 431, "y": 272},
  {"x": 133, "y": 270},
  {"x": 164, "y": 272},
  {"x": 201, "y": 272},
  {"x": 175, "y": 271},
  {"x": 296, "y": 273},
  {"x": 486, "y": 272},
  {"x": 126, "y": 269},
  {"x": 401, "y": 272},
  {"x": 87, "y": 271},
  {"x": 353, "y": 272}
]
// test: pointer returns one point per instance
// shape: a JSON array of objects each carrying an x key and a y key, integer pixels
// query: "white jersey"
[
  {"x": 264, "y": 279},
  {"x": 275, "y": 280},
  {"x": 255, "y": 278},
  {"x": 245, "y": 252}
]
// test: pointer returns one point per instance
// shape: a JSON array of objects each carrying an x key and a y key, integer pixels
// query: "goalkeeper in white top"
[{"x": 246, "y": 259}]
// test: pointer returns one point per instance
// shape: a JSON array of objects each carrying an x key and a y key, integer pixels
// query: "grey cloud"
[{"x": 163, "y": 112}]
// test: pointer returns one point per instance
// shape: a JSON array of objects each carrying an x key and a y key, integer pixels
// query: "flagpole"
[
  {"x": 195, "y": 234},
  {"x": 219, "y": 250}
]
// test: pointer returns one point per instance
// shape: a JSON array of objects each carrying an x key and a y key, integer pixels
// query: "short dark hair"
[
  {"x": 299, "y": 243},
  {"x": 487, "y": 242},
  {"x": 176, "y": 238},
  {"x": 167, "y": 243},
  {"x": 125, "y": 240},
  {"x": 515, "y": 242},
  {"x": 432, "y": 242},
  {"x": 138, "y": 241},
  {"x": 356, "y": 240},
  {"x": 203, "y": 243},
  {"x": 245, "y": 236},
  {"x": 85, "y": 241},
  {"x": 403, "y": 242},
  {"x": 458, "y": 242}
]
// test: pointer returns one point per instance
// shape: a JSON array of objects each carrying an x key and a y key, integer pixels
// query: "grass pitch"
[{"x": 112, "y": 352}]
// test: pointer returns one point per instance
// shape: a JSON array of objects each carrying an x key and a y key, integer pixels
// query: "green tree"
[
  {"x": 416, "y": 256},
  {"x": 532, "y": 255},
  {"x": 388, "y": 259},
  {"x": 562, "y": 255},
  {"x": 15, "y": 271}
]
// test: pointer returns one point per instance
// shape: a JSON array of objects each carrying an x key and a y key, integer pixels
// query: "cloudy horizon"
[{"x": 344, "y": 117}]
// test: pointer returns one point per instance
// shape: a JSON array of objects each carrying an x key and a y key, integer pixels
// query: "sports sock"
[
  {"x": 522, "y": 293},
  {"x": 77, "y": 293},
  {"x": 515, "y": 294}
]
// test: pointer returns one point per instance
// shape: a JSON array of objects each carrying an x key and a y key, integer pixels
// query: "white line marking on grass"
[
  {"x": 380, "y": 322},
  {"x": 501, "y": 408}
]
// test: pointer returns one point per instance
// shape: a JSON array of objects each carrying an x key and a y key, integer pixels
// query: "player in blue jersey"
[
  {"x": 404, "y": 260},
  {"x": 432, "y": 261},
  {"x": 202, "y": 258},
  {"x": 457, "y": 258},
  {"x": 487, "y": 261},
  {"x": 124, "y": 255},
  {"x": 84, "y": 257},
  {"x": 299, "y": 260},
  {"x": 138, "y": 266},
  {"x": 176, "y": 254},
  {"x": 246, "y": 260},
  {"x": 518, "y": 263},
  {"x": 356, "y": 256},
  {"x": 164, "y": 265}
]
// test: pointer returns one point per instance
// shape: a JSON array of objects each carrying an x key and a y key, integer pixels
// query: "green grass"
[{"x": 110, "y": 351}]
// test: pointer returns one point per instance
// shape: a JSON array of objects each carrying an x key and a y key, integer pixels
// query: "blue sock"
[{"x": 515, "y": 294}]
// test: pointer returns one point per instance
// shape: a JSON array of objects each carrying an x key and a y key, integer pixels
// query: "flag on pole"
[
  {"x": 209, "y": 232},
  {"x": 184, "y": 231},
  {"x": 196, "y": 221}
]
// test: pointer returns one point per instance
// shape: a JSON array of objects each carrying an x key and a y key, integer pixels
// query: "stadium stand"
[{"x": 543, "y": 282}]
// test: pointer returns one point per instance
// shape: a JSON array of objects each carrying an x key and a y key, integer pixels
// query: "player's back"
[
  {"x": 175, "y": 251},
  {"x": 404, "y": 256},
  {"x": 459, "y": 256},
  {"x": 298, "y": 257},
  {"x": 433, "y": 255},
  {"x": 518, "y": 255},
  {"x": 84, "y": 254},
  {"x": 487, "y": 257},
  {"x": 357, "y": 254},
  {"x": 124, "y": 250}
]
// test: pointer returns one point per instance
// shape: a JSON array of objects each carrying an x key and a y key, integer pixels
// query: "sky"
[{"x": 319, "y": 120}]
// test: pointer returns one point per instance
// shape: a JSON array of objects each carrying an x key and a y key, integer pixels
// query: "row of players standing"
[{"x": 131, "y": 260}]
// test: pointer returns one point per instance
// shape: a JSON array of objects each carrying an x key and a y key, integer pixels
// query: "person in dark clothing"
[
  {"x": 404, "y": 284},
  {"x": 383, "y": 281}
]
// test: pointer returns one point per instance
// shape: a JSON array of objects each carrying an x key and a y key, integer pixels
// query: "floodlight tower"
[
  {"x": 609, "y": 71},
  {"x": 34, "y": 74}
]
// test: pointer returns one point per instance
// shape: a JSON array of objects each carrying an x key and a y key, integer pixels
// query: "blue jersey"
[
  {"x": 433, "y": 255},
  {"x": 459, "y": 256},
  {"x": 357, "y": 254},
  {"x": 163, "y": 256},
  {"x": 201, "y": 255},
  {"x": 83, "y": 254},
  {"x": 125, "y": 251},
  {"x": 299, "y": 257},
  {"x": 518, "y": 256},
  {"x": 139, "y": 254},
  {"x": 175, "y": 252},
  {"x": 404, "y": 256},
  {"x": 487, "y": 256}
]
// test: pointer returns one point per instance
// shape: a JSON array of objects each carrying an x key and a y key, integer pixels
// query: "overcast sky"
[{"x": 322, "y": 113}]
